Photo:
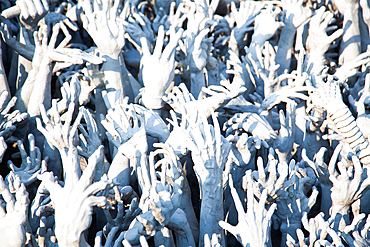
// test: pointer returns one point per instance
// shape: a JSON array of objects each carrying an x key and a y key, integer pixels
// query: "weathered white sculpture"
[{"x": 179, "y": 123}]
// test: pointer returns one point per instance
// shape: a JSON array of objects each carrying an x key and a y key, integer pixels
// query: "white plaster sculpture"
[
  {"x": 254, "y": 226},
  {"x": 185, "y": 123}
]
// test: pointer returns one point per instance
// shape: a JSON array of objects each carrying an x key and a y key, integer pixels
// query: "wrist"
[
  {"x": 212, "y": 187},
  {"x": 257, "y": 42},
  {"x": 289, "y": 30},
  {"x": 287, "y": 35},
  {"x": 316, "y": 56},
  {"x": 46, "y": 64},
  {"x": 351, "y": 8},
  {"x": 151, "y": 101},
  {"x": 197, "y": 82},
  {"x": 110, "y": 59},
  {"x": 289, "y": 228},
  {"x": 339, "y": 209}
]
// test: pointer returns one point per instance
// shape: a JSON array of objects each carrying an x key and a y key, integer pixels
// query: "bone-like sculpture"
[
  {"x": 78, "y": 192},
  {"x": 254, "y": 226},
  {"x": 14, "y": 215},
  {"x": 288, "y": 81}
]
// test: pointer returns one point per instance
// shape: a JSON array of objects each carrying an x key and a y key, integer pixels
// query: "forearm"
[
  {"x": 180, "y": 226},
  {"x": 350, "y": 47},
  {"x": 41, "y": 93},
  {"x": 211, "y": 208},
  {"x": 197, "y": 81},
  {"x": 24, "y": 64},
  {"x": 3, "y": 81},
  {"x": 285, "y": 46},
  {"x": 67, "y": 242},
  {"x": 24, "y": 93},
  {"x": 317, "y": 60},
  {"x": 120, "y": 169},
  {"x": 233, "y": 44},
  {"x": 128, "y": 91},
  {"x": 187, "y": 207},
  {"x": 113, "y": 76},
  {"x": 364, "y": 30},
  {"x": 326, "y": 204}
]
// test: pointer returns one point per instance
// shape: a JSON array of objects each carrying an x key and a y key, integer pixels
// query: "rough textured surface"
[{"x": 185, "y": 123}]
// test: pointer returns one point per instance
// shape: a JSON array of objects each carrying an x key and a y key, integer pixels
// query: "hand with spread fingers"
[
  {"x": 31, "y": 165},
  {"x": 100, "y": 20},
  {"x": 209, "y": 153},
  {"x": 284, "y": 143},
  {"x": 75, "y": 201},
  {"x": 348, "y": 186},
  {"x": 274, "y": 179},
  {"x": 13, "y": 216},
  {"x": 160, "y": 62},
  {"x": 251, "y": 123},
  {"x": 130, "y": 139},
  {"x": 32, "y": 12},
  {"x": 183, "y": 102},
  {"x": 254, "y": 226}
]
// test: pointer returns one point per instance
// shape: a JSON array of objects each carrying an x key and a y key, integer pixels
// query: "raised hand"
[
  {"x": 90, "y": 140},
  {"x": 31, "y": 165},
  {"x": 105, "y": 27},
  {"x": 130, "y": 140},
  {"x": 294, "y": 13},
  {"x": 74, "y": 202},
  {"x": 322, "y": 173},
  {"x": 32, "y": 12},
  {"x": 171, "y": 168},
  {"x": 158, "y": 202},
  {"x": 9, "y": 119},
  {"x": 274, "y": 179},
  {"x": 355, "y": 234},
  {"x": 53, "y": 18},
  {"x": 244, "y": 18},
  {"x": 209, "y": 153},
  {"x": 196, "y": 49},
  {"x": 254, "y": 226},
  {"x": 320, "y": 233},
  {"x": 328, "y": 97},
  {"x": 183, "y": 102},
  {"x": 25, "y": 50},
  {"x": 14, "y": 216},
  {"x": 139, "y": 26},
  {"x": 251, "y": 123},
  {"x": 318, "y": 42},
  {"x": 245, "y": 11},
  {"x": 124, "y": 217},
  {"x": 160, "y": 62},
  {"x": 293, "y": 203},
  {"x": 59, "y": 135},
  {"x": 245, "y": 148},
  {"x": 48, "y": 59},
  {"x": 154, "y": 125},
  {"x": 70, "y": 90},
  {"x": 265, "y": 25},
  {"x": 285, "y": 141},
  {"x": 284, "y": 95},
  {"x": 242, "y": 76},
  {"x": 348, "y": 186}
]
